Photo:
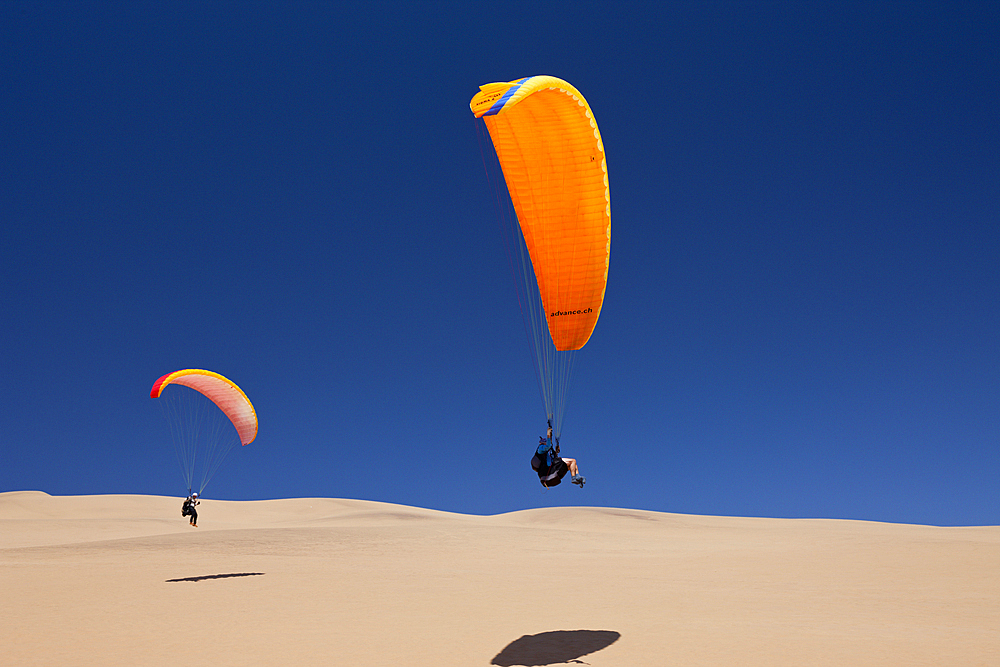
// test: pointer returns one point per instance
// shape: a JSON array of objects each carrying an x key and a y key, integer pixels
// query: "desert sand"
[{"x": 124, "y": 580}]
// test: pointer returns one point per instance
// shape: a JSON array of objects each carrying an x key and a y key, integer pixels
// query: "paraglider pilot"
[
  {"x": 188, "y": 508},
  {"x": 551, "y": 467}
]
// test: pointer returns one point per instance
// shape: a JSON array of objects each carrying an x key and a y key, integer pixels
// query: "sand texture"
[{"x": 123, "y": 580}]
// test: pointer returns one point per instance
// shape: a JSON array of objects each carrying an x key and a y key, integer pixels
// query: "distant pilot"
[{"x": 188, "y": 508}]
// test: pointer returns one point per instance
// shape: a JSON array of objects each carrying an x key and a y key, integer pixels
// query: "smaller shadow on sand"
[
  {"x": 550, "y": 648},
  {"x": 218, "y": 576}
]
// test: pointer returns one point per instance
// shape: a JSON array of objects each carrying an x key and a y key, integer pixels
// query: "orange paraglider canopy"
[
  {"x": 553, "y": 162},
  {"x": 221, "y": 391}
]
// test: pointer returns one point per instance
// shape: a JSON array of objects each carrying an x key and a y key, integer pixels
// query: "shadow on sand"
[
  {"x": 218, "y": 576},
  {"x": 550, "y": 648}
]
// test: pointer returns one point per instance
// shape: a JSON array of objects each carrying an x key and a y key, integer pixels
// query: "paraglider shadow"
[
  {"x": 560, "y": 646},
  {"x": 218, "y": 576}
]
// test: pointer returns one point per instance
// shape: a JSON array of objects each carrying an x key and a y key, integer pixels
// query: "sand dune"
[{"x": 123, "y": 580}]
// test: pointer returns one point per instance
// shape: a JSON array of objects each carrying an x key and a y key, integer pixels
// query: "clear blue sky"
[{"x": 803, "y": 307}]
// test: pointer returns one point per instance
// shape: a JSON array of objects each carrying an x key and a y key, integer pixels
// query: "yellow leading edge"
[{"x": 553, "y": 162}]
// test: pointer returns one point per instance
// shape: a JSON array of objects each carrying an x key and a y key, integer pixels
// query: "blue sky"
[{"x": 802, "y": 309}]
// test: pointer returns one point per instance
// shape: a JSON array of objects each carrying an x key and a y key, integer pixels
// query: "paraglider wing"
[
  {"x": 553, "y": 162},
  {"x": 221, "y": 391}
]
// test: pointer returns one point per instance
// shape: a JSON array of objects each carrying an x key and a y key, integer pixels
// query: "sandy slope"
[{"x": 123, "y": 580}]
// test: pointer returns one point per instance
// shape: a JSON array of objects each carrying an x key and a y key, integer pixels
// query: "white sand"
[{"x": 123, "y": 580}]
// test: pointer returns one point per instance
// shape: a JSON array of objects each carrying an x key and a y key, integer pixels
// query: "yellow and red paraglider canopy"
[
  {"x": 221, "y": 391},
  {"x": 553, "y": 162}
]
